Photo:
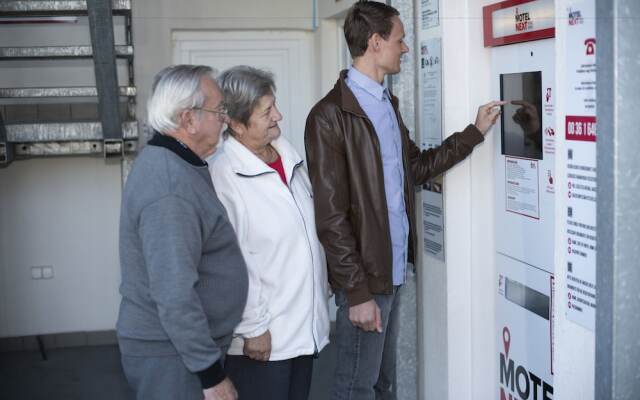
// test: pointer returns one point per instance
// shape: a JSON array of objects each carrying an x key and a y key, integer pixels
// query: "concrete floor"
[{"x": 94, "y": 373}]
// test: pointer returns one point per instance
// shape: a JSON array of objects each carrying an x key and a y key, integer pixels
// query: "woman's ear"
[{"x": 237, "y": 127}]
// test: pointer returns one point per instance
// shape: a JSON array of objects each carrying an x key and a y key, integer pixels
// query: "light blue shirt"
[{"x": 375, "y": 101}]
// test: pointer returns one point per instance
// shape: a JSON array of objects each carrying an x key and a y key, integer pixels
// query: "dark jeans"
[
  {"x": 270, "y": 380},
  {"x": 366, "y": 360}
]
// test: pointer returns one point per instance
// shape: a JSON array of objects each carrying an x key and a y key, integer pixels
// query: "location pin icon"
[{"x": 506, "y": 339}]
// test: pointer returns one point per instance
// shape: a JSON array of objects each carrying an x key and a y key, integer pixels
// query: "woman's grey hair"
[
  {"x": 175, "y": 88},
  {"x": 243, "y": 87}
]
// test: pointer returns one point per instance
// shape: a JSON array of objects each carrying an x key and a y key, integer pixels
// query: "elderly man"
[
  {"x": 363, "y": 168},
  {"x": 184, "y": 280}
]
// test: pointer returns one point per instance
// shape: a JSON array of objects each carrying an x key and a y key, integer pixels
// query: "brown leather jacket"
[{"x": 345, "y": 168}]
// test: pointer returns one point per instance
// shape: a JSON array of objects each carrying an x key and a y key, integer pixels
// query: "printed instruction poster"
[
  {"x": 429, "y": 14},
  {"x": 431, "y": 136},
  {"x": 431, "y": 92},
  {"x": 521, "y": 186},
  {"x": 580, "y": 135}
]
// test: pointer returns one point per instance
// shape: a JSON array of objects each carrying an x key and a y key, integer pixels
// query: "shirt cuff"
[
  {"x": 211, "y": 376},
  {"x": 260, "y": 331}
]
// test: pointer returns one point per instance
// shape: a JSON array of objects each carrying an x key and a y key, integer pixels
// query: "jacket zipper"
[{"x": 313, "y": 277}]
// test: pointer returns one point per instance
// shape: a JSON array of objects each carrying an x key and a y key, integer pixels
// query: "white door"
[{"x": 287, "y": 54}]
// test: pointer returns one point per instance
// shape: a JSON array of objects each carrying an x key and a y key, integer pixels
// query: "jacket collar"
[
  {"x": 244, "y": 162},
  {"x": 345, "y": 99}
]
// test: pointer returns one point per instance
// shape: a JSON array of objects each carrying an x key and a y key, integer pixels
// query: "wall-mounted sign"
[
  {"x": 431, "y": 137},
  {"x": 580, "y": 136},
  {"x": 429, "y": 14},
  {"x": 431, "y": 92},
  {"x": 515, "y": 21},
  {"x": 522, "y": 194}
]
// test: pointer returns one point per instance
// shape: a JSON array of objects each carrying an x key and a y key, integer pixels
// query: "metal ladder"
[{"x": 114, "y": 132}]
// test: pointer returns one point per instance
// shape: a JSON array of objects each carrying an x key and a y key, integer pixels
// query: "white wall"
[
  {"x": 469, "y": 209},
  {"x": 155, "y": 20},
  {"x": 458, "y": 296},
  {"x": 63, "y": 213}
]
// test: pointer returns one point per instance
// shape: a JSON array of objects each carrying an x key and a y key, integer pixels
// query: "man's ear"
[
  {"x": 187, "y": 121},
  {"x": 374, "y": 42}
]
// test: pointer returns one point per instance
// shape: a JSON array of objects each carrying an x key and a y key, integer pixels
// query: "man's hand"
[
  {"x": 259, "y": 347},
  {"x": 366, "y": 316},
  {"x": 487, "y": 115},
  {"x": 222, "y": 391}
]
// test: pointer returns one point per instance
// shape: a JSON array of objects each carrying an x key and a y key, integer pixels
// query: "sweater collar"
[{"x": 180, "y": 149}]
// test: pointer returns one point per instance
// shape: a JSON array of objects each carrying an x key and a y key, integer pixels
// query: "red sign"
[
  {"x": 580, "y": 128},
  {"x": 524, "y": 27}
]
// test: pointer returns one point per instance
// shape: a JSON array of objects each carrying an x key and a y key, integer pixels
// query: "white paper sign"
[
  {"x": 431, "y": 92},
  {"x": 431, "y": 137},
  {"x": 433, "y": 220},
  {"x": 521, "y": 187},
  {"x": 580, "y": 136},
  {"x": 430, "y": 13}
]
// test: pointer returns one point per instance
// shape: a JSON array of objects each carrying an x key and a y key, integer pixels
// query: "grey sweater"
[{"x": 184, "y": 281}]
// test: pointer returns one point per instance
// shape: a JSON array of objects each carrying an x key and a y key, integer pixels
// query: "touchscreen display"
[{"x": 522, "y": 115}]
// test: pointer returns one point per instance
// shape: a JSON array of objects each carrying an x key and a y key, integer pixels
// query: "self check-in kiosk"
[{"x": 521, "y": 34}]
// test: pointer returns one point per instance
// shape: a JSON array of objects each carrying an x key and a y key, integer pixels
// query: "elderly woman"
[{"x": 262, "y": 182}]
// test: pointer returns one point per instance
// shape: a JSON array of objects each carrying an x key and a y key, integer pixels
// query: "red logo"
[
  {"x": 590, "y": 45},
  {"x": 506, "y": 339},
  {"x": 523, "y": 21}
]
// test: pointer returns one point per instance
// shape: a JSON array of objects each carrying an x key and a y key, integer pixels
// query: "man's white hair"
[{"x": 175, "y": 88}]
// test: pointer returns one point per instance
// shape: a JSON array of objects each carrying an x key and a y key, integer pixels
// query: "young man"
[{"x": 363, "y": 168}]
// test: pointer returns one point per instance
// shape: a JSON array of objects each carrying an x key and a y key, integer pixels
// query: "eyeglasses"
[{"x": 222, "y": 113}]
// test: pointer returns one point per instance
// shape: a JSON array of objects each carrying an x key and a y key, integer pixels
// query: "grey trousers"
[
  {"x": 366, "y": 360},
  {"x": 161, "y": 378}
]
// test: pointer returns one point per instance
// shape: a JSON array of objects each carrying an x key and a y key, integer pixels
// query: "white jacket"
[{"x": 275, "y": 225}]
